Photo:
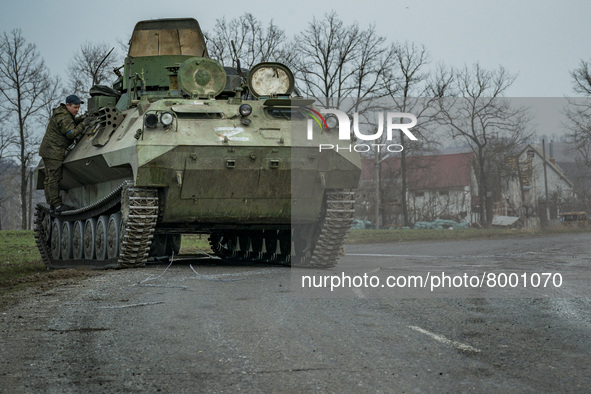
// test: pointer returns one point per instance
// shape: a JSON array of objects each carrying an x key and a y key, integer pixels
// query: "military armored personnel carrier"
[{"x": 181, "y": 145}]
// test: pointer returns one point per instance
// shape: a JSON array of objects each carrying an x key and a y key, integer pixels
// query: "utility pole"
[
  {"x": 377, "y": 164},
  {"x": 30, "y": 199},
  {"x": 546, "y": 181}
]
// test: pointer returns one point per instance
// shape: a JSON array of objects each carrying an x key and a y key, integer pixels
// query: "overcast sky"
[{"x": 539, "y": 40}]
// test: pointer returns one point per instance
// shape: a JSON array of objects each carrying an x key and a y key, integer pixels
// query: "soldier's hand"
[
  {"x": 79, "y": 119},
  {"x": 87, "y": 120}
]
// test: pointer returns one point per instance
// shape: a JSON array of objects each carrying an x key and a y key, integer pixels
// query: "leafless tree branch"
[
  {"x": 254, "y": 42},
  {"x": 24, "y": 87},
  {"x": 92, "y": 64},
  {"x": 492, "y": 127}
]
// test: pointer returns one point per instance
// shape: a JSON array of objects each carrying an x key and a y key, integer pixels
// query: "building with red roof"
[
  {"x": 446, "y": 187},
  {"x": 438, "y": 187}
]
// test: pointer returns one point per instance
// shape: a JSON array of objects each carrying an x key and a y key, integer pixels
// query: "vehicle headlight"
[
  {"x": 245, "y": 109},
  {"x": 166, "y": 118},
  {"x": 151, "y": 120}
]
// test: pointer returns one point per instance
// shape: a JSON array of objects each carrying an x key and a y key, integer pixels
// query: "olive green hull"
[
  {"x": 181, "y": 144},
  {"x": 242, "y": 186},
  {"x": 212, "y": 173},
  {"x": 218, "y": 187}
]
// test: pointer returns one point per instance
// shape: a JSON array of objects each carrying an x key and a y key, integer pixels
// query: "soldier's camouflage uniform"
[{"x": 62, "y": 129}]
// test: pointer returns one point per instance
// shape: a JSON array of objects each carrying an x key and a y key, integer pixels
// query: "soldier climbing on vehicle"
[{"x": 63, "y": 128}]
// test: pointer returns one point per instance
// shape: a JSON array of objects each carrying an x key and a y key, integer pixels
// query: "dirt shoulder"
[{"x": 14, "y": 290}]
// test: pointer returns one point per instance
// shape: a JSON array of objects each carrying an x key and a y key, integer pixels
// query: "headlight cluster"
[
  {"x": 245, "y": 110},
  {"x": 165, "y": 118}
]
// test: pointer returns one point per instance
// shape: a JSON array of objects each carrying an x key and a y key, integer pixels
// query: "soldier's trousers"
[{"x": 53, "y": 177}]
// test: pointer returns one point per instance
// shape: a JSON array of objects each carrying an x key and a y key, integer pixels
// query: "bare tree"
[
  {"x": 578, "y": 115},
  {"x": 6, "y": 139},
  {"x": 413, "y": 90},
  {"x": 432, "y": 205},
  {"x": 24, "y": 81},
  {"x": 488, "y": 123},
  {"x": 92, "y": 64},
  {"x": 254, "y": 43},
  {"x": 578, "y": 112},
  {"x": 336, "y": 62},
  {"x": 123, "y": 46},
  {"x": 580, "y": 174},
  {"x": 581, "y": 77},
  {"x": 51, "y": 98},
  {"x": 9, "y": 195},
  {"x": 346, "y": 67}
]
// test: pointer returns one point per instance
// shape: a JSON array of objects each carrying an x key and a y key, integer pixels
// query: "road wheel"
[
  {"x": 113, "y": 235},
  {"x": 56, "y": 235},
  {"x": 89, "y": 238},
  {"x": 101, "y": 237},
  {"x": 46, "y": 224},
  {"x": 78, "y": 240},
  {"x": 66, "y": 240}
]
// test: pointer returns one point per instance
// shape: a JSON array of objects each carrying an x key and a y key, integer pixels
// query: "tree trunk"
[{"x": 404, "y": 184}]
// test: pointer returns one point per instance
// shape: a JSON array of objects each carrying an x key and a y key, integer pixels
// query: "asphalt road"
[{"x": 202, "y": 326}]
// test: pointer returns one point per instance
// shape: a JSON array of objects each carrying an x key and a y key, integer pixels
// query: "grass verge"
[
  {"x": 21, "y": 265},
  {"x": 18, "y": 256}
]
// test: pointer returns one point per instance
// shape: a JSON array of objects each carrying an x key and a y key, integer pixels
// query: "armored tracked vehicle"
[{"x": 182, "y": 145}]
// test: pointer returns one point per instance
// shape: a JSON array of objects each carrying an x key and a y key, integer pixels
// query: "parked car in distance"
[{"x": 575, "y": 219}]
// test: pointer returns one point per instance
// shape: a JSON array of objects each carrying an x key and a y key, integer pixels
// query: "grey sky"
[{"x": 540, "y": 40}]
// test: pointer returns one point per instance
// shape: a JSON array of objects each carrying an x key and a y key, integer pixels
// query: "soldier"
[{"x": 62, "y": 129}]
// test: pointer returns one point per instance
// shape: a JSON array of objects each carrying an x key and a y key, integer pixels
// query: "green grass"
[
  {"x": 19, "y": 255},
  {"x": 21, "y": 265},
  {"x": 193, "y": 243}
]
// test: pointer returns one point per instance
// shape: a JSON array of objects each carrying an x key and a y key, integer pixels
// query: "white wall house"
[
  {"x": 442, "y": 187},
  {"x": 525, "y": 193},
  {"x": 438, "y": 187}
]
